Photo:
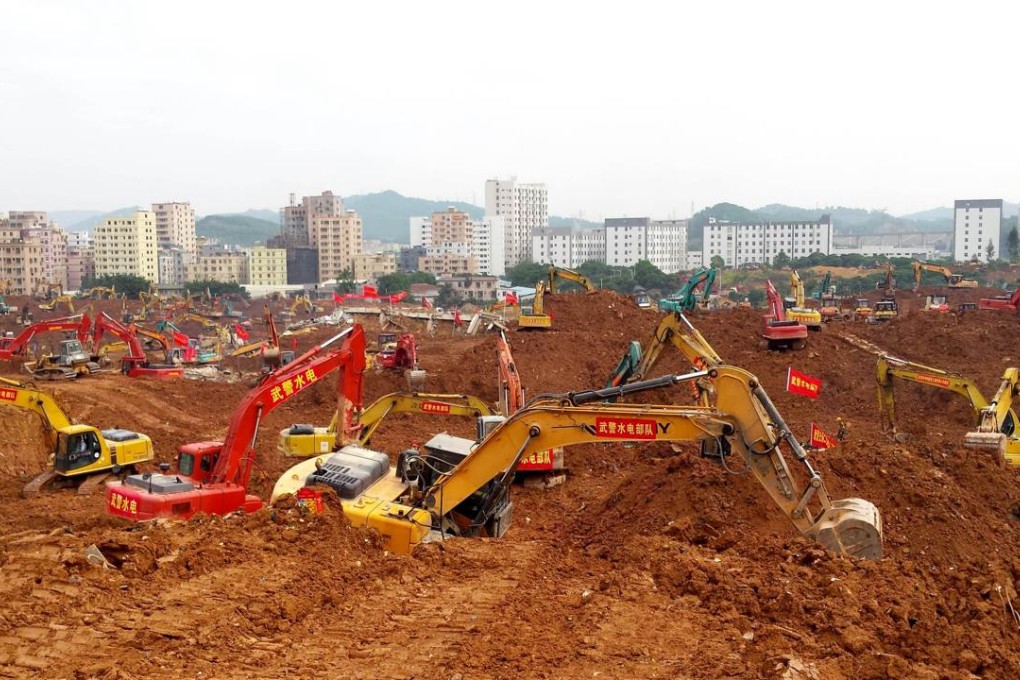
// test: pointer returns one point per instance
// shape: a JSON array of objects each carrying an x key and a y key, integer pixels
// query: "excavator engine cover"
[
  {"x": 350, "y": 471},
  {"x": 852, "y": 526}
]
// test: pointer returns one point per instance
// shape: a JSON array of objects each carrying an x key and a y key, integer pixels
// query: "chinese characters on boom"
[{"x": 293, "y": 385}]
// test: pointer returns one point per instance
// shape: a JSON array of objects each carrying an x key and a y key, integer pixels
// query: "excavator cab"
[
  {"x": 76, "y": 450},
  {"x": 196, "y": 461}
]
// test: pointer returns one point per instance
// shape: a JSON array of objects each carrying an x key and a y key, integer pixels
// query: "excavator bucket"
[
  {"x": 986, "y": 441},
  {"x": 852, "y": 526},
  {"x": 415, "y": 379}
]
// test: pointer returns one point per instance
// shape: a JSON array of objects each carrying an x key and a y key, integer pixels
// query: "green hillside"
[
  {"x": 237, "y": 229},
  {"x": 386, "y": 215}
]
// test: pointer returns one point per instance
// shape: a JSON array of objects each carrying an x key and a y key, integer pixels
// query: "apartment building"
[
  {"x": 480, "y": 288},
  {"x": 127, "y": 245},
  {"x": 454, "y": 232},
  {"x": 755, "y": 243},
  {"x": 171, "y": 261},
  {"x": 370, "y": 266},
  {"x": 442, "y": 264},
  {"x": 36, "y": 225},
  {"x": 267, "y": 266},
  {"x": 619, "y": 242},
  {"x": 175, "y": 226},
  {"x": 296, "y": 218},
  {"x": 407, "y": 260},
  {"x": 228, "y": 266},
  {"x": 21, "y": 260},
  {"x": 568, "y": 247},
  {"x": 666, "y": 244},
  {"x": 524, "y": 208},
  {"x": 338, "y": 239},
  {"x": 976, "y": 222}
]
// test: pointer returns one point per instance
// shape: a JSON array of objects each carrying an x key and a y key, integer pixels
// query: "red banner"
[
  {"x": 425, "y": 303},
  {"x": 802, "y": 384},
  {"x": 820, "y": 439},
  {"x": 398, "y": 297},
  {"x": 456, "y": 318},
  {"x": 240, "y": 332},
  {"x": 337, "y": 298},
  {"x": 180, "y": 339},
  {"x": 370, "y": 291}
]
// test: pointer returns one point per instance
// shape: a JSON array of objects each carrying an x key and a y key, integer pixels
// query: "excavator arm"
[
  {"x": 686, "y": 298},
  {"x": 10, "y": 347},
  {"x": 372, "y": 417},
  {"x": 511, "y": 391},
  {"x": 14, "y": 393},
  {"x": 744, "y": 424},
  {"x": 797, "y": 288},
  {"x": 888, "y": 367},
  {"x": 997, "y": 420},
  {"x": 569, "y": 275}
]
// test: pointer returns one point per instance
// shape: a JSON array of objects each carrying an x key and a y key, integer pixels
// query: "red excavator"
[
  {"x": 779, "y": 333},
  {"x": 511, "y": 400},
  {"x": 136, "y": 364},
  {"x": 1007, "y": 303},
  {"x": 212, "y": 477},
  {"x": 11, "y": 347},
  {"x": 402, "y": 355}
]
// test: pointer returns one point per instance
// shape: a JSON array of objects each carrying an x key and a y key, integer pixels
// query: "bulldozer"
[{"x": 83, "y": 456}]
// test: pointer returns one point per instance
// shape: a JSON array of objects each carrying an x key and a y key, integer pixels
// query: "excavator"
[
  {"x": 301, "y": 302},
  {"x": 569, "y": 275},
  {"x": 71, "y": 361},
  {"x": 795, "y": 309},
  {"x": 192, "y": 352},
  {"x": 65, "y": 300},
  {"x": 82, "y": 455},
  {"x": 826, "y": 296},
  {"x": 135, "y": 364},
  {"x": 511, "y": 400},
  {"x": 403, "y": 355},
  {"x": 212, "y": 477},
  {"x": 686, "y": 299},
  {"x": 534, "y": 316},
  {"x": 455, "y": 487},
  {"x": 99, "y": 293},
  {"x": 1007, "y": 303},
  {"x": 780, "y": 332},
  {"x": 996, "y": 419},
  {"x": 952, "y": 280}
]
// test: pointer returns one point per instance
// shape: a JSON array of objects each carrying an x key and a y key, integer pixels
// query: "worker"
[
  {"x": 841, "y": 430},
  {"x": 458, "y": 322}
]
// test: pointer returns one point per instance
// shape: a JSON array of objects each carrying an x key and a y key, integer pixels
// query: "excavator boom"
[{"x": 569, "y": 275}]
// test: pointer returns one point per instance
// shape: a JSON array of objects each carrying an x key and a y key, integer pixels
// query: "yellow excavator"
[
  {"x": 65, "y": 300},
  {"x": 795, "y": 309},
  {"x": 996, "y": 419},
  {"x": 302, "y": 302},
  {"x": 952, "y": 280},
  {"x": 459, "y": 487},
  {"x": 569, "y": 275},
  {"x": 306, "y": 440},
  {"x": 83, "y": 456},
  {"x": 535, "y": 316}
]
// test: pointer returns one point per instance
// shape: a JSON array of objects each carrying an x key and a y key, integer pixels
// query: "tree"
[
  {"x": 345, "y": 282},
  {"x": 781, "y": 260},
  {"x": 717, "y": 262},
  {"x": 216, "y": 288},
  {"x": 650, "y": 277},
  {"x": 527, "y": 273},
  {"x": 447, "y": 296},
  {"x": 122, "y": 283},
  {"x": 756, "y": 297},
  {"x": 1013, "y": 244},
  {"x": 990, "y": 250}
]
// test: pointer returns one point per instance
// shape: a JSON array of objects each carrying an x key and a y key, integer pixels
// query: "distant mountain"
[
  {"x": 260, "y": 214},
  {"x": 386, "y": 215},
  {"x": 930, "y": 215},
  {"x": 572, "y": 222},
  {"x": 94, "y": 218},
  {"x": 66, "y": 217},
  {"x": 237, "y": 229}
]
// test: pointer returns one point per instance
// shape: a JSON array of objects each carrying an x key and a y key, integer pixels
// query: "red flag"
[
  {"x": 180, "y": 339},
  {"x": 399, "y": 296},
  {"x": 511, "y": 297},
  {"x": 240, "y": 332},
  {"x": 369, "y": 291},
  {"x": 820, "y": 439},
  {"x": 456, "y": 318},
  {"x": 802, "y": 384},
  {"x": 293, "y": 343},
  {"x": 337, "y": 298},
  {"x": 425, "y": 303}
]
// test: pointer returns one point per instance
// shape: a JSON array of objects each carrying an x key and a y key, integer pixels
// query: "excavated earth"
[{"x": 648, "y": 562}]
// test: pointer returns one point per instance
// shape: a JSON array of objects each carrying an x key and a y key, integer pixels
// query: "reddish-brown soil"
[{"x": 647, "y": 562}]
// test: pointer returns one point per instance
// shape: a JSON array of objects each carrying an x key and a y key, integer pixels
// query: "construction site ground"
[{"x": 648, "y": 562}]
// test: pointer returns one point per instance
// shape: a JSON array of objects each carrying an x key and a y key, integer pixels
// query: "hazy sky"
[{"x": 623, "y": 108}]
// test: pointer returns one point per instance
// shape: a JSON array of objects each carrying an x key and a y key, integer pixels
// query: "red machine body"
[
  {"x": 1004, "y": 303},
  {"x": 780, "y": 333},
  {"x": 403, "y": 356},
  {"x": 136, "y": 364},
  {"x": 11, "y": 347},
  {"x": 511, "y": 400},
  {"x": 212, "y": 477}
]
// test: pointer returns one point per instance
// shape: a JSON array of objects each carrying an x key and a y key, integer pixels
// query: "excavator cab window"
[
  {"x": 76, "y": 451},
  {"x": 186, "y": 465}
]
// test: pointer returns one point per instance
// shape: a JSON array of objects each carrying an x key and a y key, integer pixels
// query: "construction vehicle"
[
  {"x": 99, "y": 293},
  {"x": 5, "y": 286},
  {"x": 15, "y": 346},
  {"x": 686, "y": 299},
  {"x": 5, "y": 308},
  {"x": 511, "y": 400},
  {"x": 863, "y": 310},
  {"x": 82, "y": 455},
  {"x": 272, "y": 355},
  {"x": 936, "y": 303},
  {"x": 795, "y": 309},
  {"x": 47, "y": 291},
  {"x": 780, "y": 332},
  {"x": 402, "y": 355},
  {"x": 1007, "y": 303},
  {"x": 569, "y": 275},
  {"x": 885, "y": 310},
  {"x": 888, "y": 284},
  {"x": 951, "y": 280},
  {"x": 65, "y": 300},
  {"x": 69, "y": 362},
  {"x": 641, "y": 298},
  {"x": 188, "y": 350},
  {"x": 135, "y": 364},
  {"x": 303, "y": 440},
  {"x": 533, "y": 316},
  {"x": 301, "y": 302},
  {"x": 994, "y": 418},
  {"x": 826, "y": 296},
  {"x": 454, "y": 487},
  {"x": 212, "y": 477}
]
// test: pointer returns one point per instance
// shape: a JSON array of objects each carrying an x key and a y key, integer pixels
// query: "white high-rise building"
[
  {"x": 479, "y": 244},
  {"x": 524, "y": 208},
  {"x": 976, "y": 223},
  {"x": 620, "y": 242},
  {"x": 488, "y": 245},
  {"x": 175, "y": 226},
  {"x": 745, "y": 243},
  {"x": 568, "y": 247},
  {"x": 127, "y": 245}
]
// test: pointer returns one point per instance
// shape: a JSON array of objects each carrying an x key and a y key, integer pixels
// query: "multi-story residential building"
[
  {"x": 482, "y": 288},
  {"x": 175, "y": 226},
  {"x": 693, "y": 260},
  {"x": 338, "y": 240},
  {"x": 976, "y": 223},
  {"x": 568, "y": 246},
  {"x": 373, "y": 265},
  {"x": 21, "y": 260},
  {"x": 296, "y": 218},
  {"x": 407, "y": 260},
  {"x": 625, "y": 240},
  {"x": 229, "y": 266},
  {"x": 619, "y": 242},
  {"x": 127, "y": 245},
  {"x": 81, "y": 267},
  {"x": 267, "y": 266},
  {"x": 447, "y": 263},
  {"x": 755, "y": 243},
  {"x": 524, "y": 208},
  {"x": 171, "y": 260},
  {"x": 453, "y": 232},
  {"x": 35, "y": 224},
  {"x": 666, "y": 244}
]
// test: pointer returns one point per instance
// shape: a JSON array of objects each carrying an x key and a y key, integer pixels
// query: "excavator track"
[
  {"x": 36, "y": 485},
  {"x": 53, "y": 373},
  {"x": 93, "y": 482}
]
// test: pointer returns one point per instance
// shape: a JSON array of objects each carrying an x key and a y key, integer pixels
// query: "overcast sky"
[{"x": 620, "y": 108}]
